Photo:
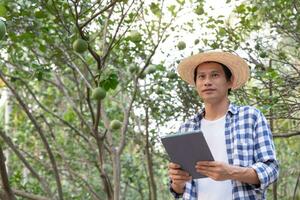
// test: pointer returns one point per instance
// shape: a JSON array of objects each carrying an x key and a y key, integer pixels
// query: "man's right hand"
[{"x": 178, "y": 177}]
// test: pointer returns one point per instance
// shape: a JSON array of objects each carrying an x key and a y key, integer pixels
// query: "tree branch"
[
  {"x": 26, "y": 195},
  {"x": 40, "y": 132},
  {"x": 296, "y": 186},
  {"x": 65, "y": 92},
  {"x": 97, "y": 14},
  {"x": 4, "y": 177},
  {"x": 111, "y": 45},
  {"x": 285, "y": 135},
  {"x": 9, "y": 142}
]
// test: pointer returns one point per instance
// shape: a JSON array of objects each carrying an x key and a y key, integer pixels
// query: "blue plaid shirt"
[{"x": 249, "y": 144}]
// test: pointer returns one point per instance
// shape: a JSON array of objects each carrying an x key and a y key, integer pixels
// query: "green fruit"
[
  {"x": 115, "y": 124},
  {"x": 196, "y": 41},
  {"x": 171, "y": 75},
  {"x": 133, "y": 69},
  {"x": 199, "y": 10},
  {"x": 2, "y": 29},
  {"x": 80, "y": 45},
  {"x": 98, "y": 93},
  {"x": 142, "y": 75},
  {"x": 151, "y": 69},
  {"x": 50, "y": 6},
  {"x": 181, "y": 45},
  {"x": 135, "y": 36}
]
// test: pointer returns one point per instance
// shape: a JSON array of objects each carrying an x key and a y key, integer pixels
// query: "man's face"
[{"x": 211, "y": 82}]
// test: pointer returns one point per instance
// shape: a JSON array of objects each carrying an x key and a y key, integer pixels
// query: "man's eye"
[
  {"x": 201, "y": 77},
  {"x": 215, "y": 75}
]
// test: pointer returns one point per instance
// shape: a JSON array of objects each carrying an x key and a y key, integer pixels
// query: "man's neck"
[{"x": 216, "y": 110}]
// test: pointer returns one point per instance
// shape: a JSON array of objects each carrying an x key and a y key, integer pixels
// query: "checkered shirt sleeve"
[{"x": 266, "y": 165}]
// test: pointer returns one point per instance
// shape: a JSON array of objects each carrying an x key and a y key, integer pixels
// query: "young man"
[{"x": 238, "y": 136}]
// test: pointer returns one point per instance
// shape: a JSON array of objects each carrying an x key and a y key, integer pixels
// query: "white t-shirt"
[{"x": 209, "y": 189}]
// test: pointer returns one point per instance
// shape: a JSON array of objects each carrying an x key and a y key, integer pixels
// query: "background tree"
[{"x": 77, "y": 70}]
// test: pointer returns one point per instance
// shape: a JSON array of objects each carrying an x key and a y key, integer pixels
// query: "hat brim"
[{"x": 238, "y": 66}]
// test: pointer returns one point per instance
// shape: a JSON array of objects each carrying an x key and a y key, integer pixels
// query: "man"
[{"x": 238, "y": 136}]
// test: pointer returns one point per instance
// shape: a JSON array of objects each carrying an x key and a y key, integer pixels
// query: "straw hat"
[{"x": 238, "y": 66}]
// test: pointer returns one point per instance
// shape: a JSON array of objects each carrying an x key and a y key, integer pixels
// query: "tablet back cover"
[{"x": 186, "y": 149}]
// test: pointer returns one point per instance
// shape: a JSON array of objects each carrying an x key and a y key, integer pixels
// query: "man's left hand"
[{"x": 218, "y": 171}]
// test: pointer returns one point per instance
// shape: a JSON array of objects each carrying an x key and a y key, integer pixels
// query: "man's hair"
[{"x": 226, "y": 70}]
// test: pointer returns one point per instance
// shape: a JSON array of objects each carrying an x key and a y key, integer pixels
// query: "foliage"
[{"x": 64, "y": 134}]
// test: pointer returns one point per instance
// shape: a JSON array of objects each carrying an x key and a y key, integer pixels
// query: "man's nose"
[{"x": 207, "y": 81}]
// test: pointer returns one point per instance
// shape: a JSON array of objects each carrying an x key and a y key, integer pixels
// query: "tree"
[{"x": 55, "y": 55}]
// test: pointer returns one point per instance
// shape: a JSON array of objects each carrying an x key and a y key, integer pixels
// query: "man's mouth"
[{"x": 208, "y": 90}]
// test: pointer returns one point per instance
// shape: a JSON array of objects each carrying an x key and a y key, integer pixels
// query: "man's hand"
[
  {"x": 178, "y": 177},
  {"x": 220, "y": 171}
]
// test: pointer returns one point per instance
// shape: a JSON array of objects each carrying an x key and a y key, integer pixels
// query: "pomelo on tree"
[
  {"x": 2, "y": 29},
  {"x": 133, "y": 69},
  {"x": 98, "y": 93},
  {"x": 115, "y": 124},
  {"x": 135, "y": 36},
  {"x": 80, "y": 45},
  {"x": 142, "y": 75},
  {"x": 199, "y": 10},
  {"x": 151, "y": 69},
  {"x": 171, "y": 75},
  {"x": 181, "y": 45}
]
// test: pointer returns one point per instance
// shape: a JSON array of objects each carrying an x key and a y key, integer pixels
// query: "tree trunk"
[
  {"x": 153, "y": 195},
  {"x": 8, "y": 193},
  {"x": 7, "y": 112},
  {"x": 116, "y": 173},
  {"x": 271, "y": 121}
]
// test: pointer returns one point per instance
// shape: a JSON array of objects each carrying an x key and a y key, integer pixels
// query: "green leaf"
[
  {"x": 160, "y": 67},
  {"x": 181, "y": 2},
  {"x": 240, "y": 9},
  {"x": 171, "y": 8},
  {"x": 154, "y": 7},
  {"x": 40, "y": 14},
  {"x": 43, "y": 48},
  {"x": 69, "y": 115},
  {"x": 211, "y": 26},
  {"x": 222, "y": 32},
  {"x": 111, "y": 82},
  {"x": 3, "y": 10},
  {"x": 26, "y": 36}
]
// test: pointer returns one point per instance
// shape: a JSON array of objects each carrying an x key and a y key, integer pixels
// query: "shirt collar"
[{"x": 232, "y": 109}]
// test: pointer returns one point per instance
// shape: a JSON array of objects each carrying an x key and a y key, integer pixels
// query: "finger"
[
  {"x": 180, "y": 178},
  {"x": 204, "y": 167},
  {"x": 207, "y": 168},
  {"x": 173, "y": 165},
  {"x": 175, "y": 182},
  {"x": 205, "y": 163},
  {"x": 202, "y": 171},
  {"x": 178, "y": 172},
  {"x": 205, "y": 172}
]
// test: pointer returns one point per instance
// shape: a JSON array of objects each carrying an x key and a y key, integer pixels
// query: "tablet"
[{"x": 186, "y": 149}]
